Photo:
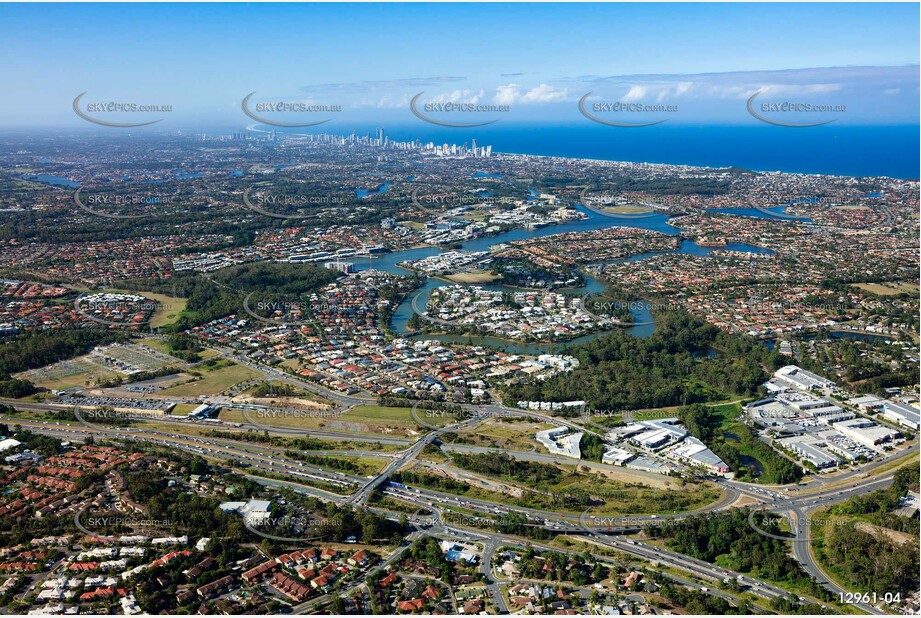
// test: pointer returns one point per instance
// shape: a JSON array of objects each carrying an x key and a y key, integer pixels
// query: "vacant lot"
[
  {"x": 278, "y": 394},
  {"x": 472, "y": 277},
  {"x": 390, "y": 420},
  {"x": 161, "y": 345},
  {"x": 369, "y": 419},
  {"x": 283, "y": 419},
  {"x": 638, "y": 498},
  {"x": 888, "y": 289},
  {"x": 213, "y": 382},
  {"x": 510, "y": 436},
  {"x": 628, "y": 209}
]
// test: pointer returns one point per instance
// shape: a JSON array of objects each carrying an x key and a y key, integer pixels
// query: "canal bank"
[{"x": 639, "y": 309}]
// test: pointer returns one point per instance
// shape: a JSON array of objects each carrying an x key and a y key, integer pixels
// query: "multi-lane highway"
[{"x": 606, "y": 532}]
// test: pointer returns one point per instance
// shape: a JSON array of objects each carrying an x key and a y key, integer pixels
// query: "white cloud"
[
  {"x": 636, "y": 93},
  {"x": 507, "y": 95},
  {"x": 459, "y": 96},
  {"x": 792, "y": 90},
  {"x": 683, "y": 88},
  {"x": 512, "y": 94},
  {"x": 742, "y": 84},
  {"x": 379, "y": 102},
  {"x": 545, "y": 94}
]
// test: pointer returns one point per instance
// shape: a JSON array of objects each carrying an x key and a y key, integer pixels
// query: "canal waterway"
[{"x": 642, "y": 317}]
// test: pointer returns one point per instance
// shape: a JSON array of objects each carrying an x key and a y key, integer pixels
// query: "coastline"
[
  {"x": 761, "y": 169},
  {"x": 704, "y": 167}
]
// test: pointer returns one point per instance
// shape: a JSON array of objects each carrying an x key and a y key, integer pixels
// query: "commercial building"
[
  {"x": 254, "y": 512},
  {"x": 909, "y": 505},
  {"x": 901, "y": 414},
  {"x": 670, "y": 440},
  {"x": 8, "y": 444},
  {"x": 653, "y": 438},
  {"x": 205, "y": 412},
  {"x": 810, "y": 450},
  {"x": 866, "y": 402},
  {"x": 616, "y": 456},
  {"x": 800, "y": 378},
  {"x": 866, "y": 432},
  {"x": 456, "y": 551},
  {"x": 846, "y": 448},
  {"x": 694, "y": 452},
  {"x": 560, "y": 442},
  {"x": 796, "y": 407}
]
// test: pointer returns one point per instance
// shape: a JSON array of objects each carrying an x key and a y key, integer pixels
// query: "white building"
[
  {"x": 254, "y": 512},
  {"x": 800, "y": 378},
  {"x": 559, "y": 441},
  {"x": 129, "y": 605},
  {"x": 8, "y": 444},
  {"x": 616, "y": 456},
  {"x": 812, "y": 451},
  {"x": 170, "y": 540},
  {"x": 866, "y": 402},
  {"x": 694, "y": 452},
  {"x": 866, "y": 432},
  {"x": 901, "y": 414}
]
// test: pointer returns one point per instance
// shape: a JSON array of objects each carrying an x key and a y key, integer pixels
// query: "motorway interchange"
[{"x": 435, "y": 516}]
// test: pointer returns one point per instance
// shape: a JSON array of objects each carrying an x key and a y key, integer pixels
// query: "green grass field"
[
  {"x": 888, "y": 289},
  {"x": 380, "y": 413},
  {"x": 511, "y": 436},
  {"x": 619, "y": 498},
  {"x": 624, "y": 499},
  {"x": 213, "y": 382},
  {"x": 395, "y": 418},
  {"x": 162, "y": 346},
  {"x": 363, "y": 419},
  {"x": 628, "y": 209},
  {"x": 268, "y": 419},
  {"x": 168, "y": 310},
  {"x": 364, "y": 466}
]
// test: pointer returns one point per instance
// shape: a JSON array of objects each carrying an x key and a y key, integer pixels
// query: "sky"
[{"x": 539, "y": 60}]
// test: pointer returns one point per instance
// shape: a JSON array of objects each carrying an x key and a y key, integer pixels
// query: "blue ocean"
[{"x": 831, "y": 149}]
